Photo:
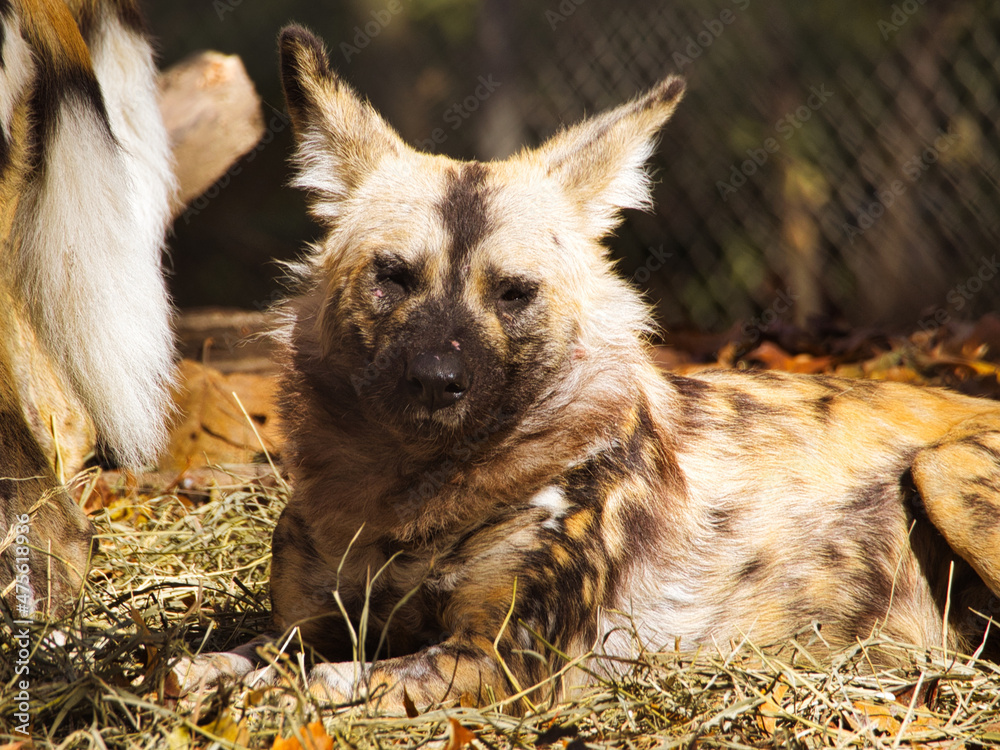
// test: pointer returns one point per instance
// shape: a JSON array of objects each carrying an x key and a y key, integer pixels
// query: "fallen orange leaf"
[
  {"x": 460, "y": 736},
  {"x": 771, "y": 709},
  {"x": 775, "y": 358},
  {"x": 877, "y": 716},
  {"x": 315, "y": 738}
]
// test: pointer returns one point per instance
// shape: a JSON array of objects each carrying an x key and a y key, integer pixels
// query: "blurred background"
[{"x": 836, "y": 160}]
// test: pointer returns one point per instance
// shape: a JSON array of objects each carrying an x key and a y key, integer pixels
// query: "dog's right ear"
[
  {"x": 601, "y": 162},
  {"x": 340, "y": 139}
]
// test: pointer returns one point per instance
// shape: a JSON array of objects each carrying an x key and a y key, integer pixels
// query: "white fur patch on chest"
[{"x": 554, "y": 500}]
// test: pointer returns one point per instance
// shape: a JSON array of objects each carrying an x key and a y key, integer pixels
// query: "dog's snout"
[{"x": 437, "y": 379}]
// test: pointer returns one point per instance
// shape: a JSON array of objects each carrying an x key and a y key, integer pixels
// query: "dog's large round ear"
[
  {"x": 600, "y": 162},
  {"x": 340, "y": 139}
]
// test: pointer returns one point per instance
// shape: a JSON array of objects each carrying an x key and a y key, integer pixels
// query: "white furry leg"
[{"x": 89, "y": 235}]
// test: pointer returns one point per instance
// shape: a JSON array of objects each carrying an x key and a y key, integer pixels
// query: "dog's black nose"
[{"x": 437, "y": 379}]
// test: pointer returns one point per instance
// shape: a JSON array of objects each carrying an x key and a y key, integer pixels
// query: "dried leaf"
[
  {"x": 874, "y": 716},
  {"x": 896, "y": 374},
  {"x": 314, "y": 738},
  {"x": 318, "y": 739},
  {"x": 927, "y": 696},
  {"x": 977, "y": 366},
  {"x": 774, "y": 357},
  {"x": 459, "y": 736},
  {"x": 853, "y": 370},
  {"x": 95, "y": 494},
  {"x": 152, "y": 652},
  {"x": 771, "y": 709},
  {"x": 888, "y": 366},
  {"x": 226, "y": 728},
  {"x": 179, "y": 738},
  {"x": 984, "y": 339},
  {"x": 409, "y": 706}
]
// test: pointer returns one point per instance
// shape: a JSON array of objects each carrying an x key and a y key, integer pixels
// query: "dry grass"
[{"x": 177, "y": 576}]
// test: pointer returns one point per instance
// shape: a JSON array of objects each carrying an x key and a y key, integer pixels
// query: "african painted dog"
[
  {"x": 85, "y": 187},
  {"x": 490, "y": 468}
]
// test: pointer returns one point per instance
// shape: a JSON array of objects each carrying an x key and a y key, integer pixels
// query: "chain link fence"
[{"x": 834, "y": 160}]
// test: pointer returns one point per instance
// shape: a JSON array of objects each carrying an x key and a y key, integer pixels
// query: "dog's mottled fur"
[
  {"x": 491, "y": 471},
  {"x": 85, "y": 186}
]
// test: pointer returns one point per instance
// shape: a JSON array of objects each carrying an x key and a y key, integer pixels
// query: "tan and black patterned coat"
[{"x": 492, "y": 475}]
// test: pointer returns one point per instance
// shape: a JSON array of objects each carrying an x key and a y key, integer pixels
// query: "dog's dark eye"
[
  {"x": 393, "y": 279},
  {"x": 397, "y": 278},
  {"x": 515, "y": 295}
]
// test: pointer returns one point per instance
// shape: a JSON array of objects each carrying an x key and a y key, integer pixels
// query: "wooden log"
[
  {"x": 213, "y": 115},
  {"x": 228, "y": 339}
]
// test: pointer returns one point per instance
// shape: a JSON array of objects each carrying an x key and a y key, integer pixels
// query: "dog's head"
[{"x": 455, "y": 294}]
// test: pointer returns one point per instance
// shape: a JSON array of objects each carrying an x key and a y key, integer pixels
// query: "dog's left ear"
[
  {"x": 340, "y": 138},
  {"x": 601, "y": 161}
]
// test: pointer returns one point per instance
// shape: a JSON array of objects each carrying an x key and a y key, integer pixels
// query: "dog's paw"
[
  {"x": 328, "y": 683},
  {"x": 199, "y": 673},
  {"x": 339, "y": 682}
]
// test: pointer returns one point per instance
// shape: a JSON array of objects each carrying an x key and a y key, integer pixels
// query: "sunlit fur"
[
  {"x": 85, "y": 184},
  {"x": 573, "y": 497},
  {"x": 85, "y": 248}
]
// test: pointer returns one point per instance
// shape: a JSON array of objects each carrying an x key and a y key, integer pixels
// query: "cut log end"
[{"x": 213, "y": 116}]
